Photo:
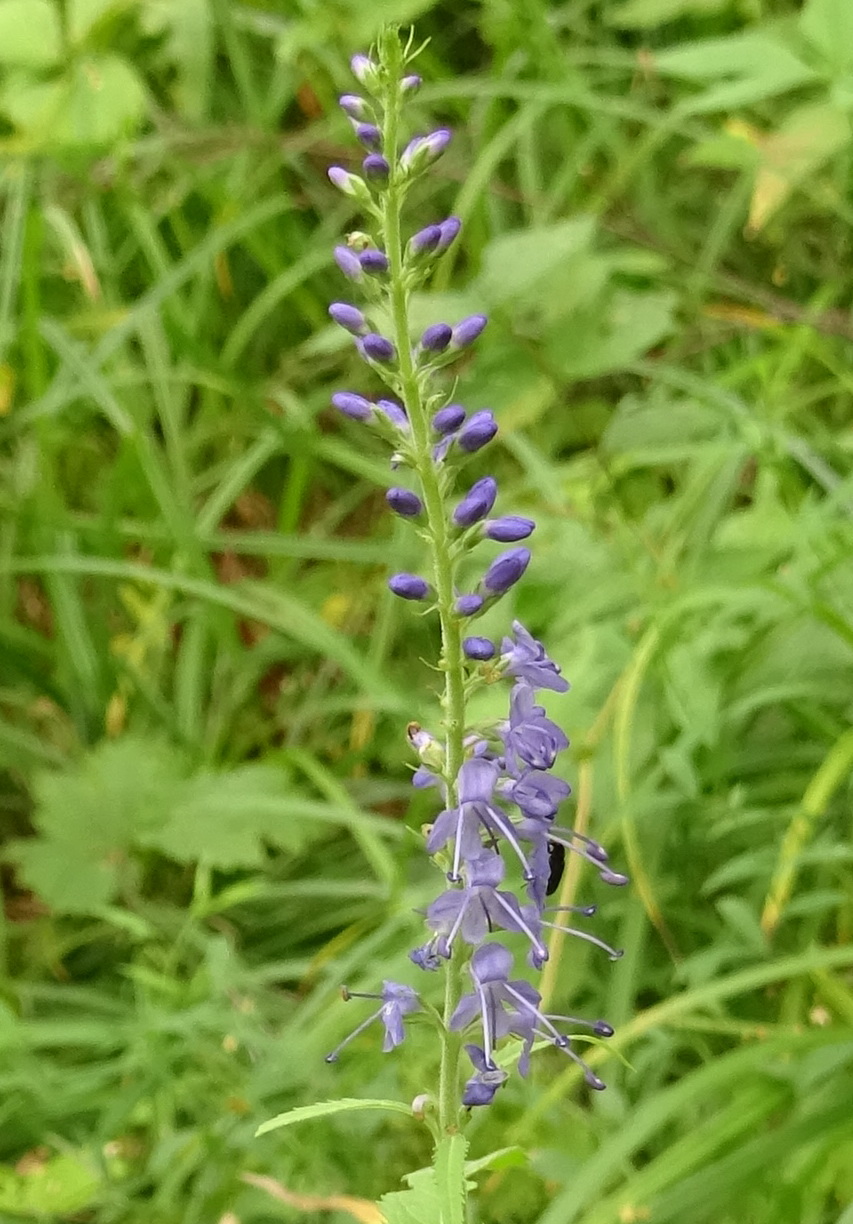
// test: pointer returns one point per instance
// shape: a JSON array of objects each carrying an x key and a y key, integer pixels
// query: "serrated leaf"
[
  {"x": 30, "y": 34},
  {"x": 324, "y": 1109},
  {"x": 418, "y": 1205},
  {"x": 450, "y": 1180},
  {"x": 223, "y": 819}
]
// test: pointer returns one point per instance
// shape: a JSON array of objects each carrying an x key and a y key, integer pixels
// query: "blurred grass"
[{"x": 204, "y": 687}]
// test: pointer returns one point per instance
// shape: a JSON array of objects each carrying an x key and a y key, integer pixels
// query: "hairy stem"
[{"x": 442, "y": 564}]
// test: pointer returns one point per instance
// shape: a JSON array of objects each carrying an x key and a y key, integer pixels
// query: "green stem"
[{"x": 440, "y": 543}]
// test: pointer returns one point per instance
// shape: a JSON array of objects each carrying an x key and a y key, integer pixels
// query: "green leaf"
[
  {"x": 646, "y": 14},
  {"x": 450, "y": 1180},
  {"x": 30, "y": 34},
  {"x": 742, "y": 67},
  {"x": 59, "y": 1186},
  {"x": 828, "y": 26},
  {"x": 324, "y": 1109},
  {"x": 808, "y": 138},
  {"x": 189, "y": 45},
  {"x": 614, "y": 334},
  {"x": 84, "y": 15},
  {"x": 95, "y": 102},
  {"x": 419, "y": 1204},
  {"x": 223, "y": 819},
  {"x": 516, "y": 265}
]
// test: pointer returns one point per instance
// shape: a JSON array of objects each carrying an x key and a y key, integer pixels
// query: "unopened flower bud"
[
  {"x": 468, "y": 605},
  {"x": 369, "y": 135},
  {"x": 349, "y": 317},
  {"x": 395, "y": 414},
  {"x": 476, "y": 503},
  {"x": 506, "y": 570},
  {"x": 480, "y": 648},
  {"x": 350, "y": 184},
  {"x": 436, "y": 338},
  {"x": 352, "y": 405},
  {"x": 479, "y": 429},
  {"x": 376, "y": 169},
  {"x": 425, "y": 240},
  {"x": 377, "y": 347},
  {"x": 404, "y": 502},
  {"x": 348, "y": 262},
  {"x": 374, "y": 262},
  {"x": 449, "y": 418},
  {"x": 410, "y": 84},
  {"x": 449, "y": 231},
  {"x": 354, "y": 106},
  {"x": 409, "y": 586},
  {"x": 509, "y": 528},
  {"x": 365, "y": 71},
  {"x": 468, "y": 330},
  {"x": 424, "y": 150}
]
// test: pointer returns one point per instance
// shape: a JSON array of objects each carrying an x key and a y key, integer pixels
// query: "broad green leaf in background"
[
  {"x": 97, "y": 100},
  {"x": 828, "y": 26},
  {"x": 83, "y": 15},
  {"x": 516, "y": 264},
  {"x": 647, "y": 14},
  {"x": 741, "y": 68},
  {"x": 49, "y": 1188},
  {"x": 30, "y": 34}
]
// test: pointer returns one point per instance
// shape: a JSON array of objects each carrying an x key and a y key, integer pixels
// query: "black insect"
[{"x": 557, "y": 865}]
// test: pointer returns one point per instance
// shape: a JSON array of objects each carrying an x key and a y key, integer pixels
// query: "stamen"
[{"x": 614, "y": 953}]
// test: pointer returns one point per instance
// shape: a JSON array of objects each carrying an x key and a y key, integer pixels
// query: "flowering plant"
[{"x": 499, "y": 799}]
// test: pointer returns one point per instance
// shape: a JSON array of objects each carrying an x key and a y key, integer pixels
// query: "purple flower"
[
  {"x": 422, "y": 151},
  {"x": 425, "y": 240},
  {"x": 475, "y": 784},
  {"x": 397, "y": 1001},
  {"x": 373, "y": 262},
  {"x": 436, "y": 338},
  {"x": 479, "y": 429},
  {"x": 409, "y": 586},
  {"x": 481, "y": 648},
  {"x": 348, "y": 316},
  {"x": 506, "y": 1007},
  {"x": 473, "y": 911},
  {"x": 446, "y": 420},
  {"x": 476, "y": 503},
  {"x": 349, "y": 184},
  {"x": 354, "y": 106},
  {"x": 505, "y": 570},
  {"x": 509, "y": 528},
  {"x": 468, "y": 330},
  {"x": 351, "y": 405},
  {"x": 369, "y": 135},
  {"x": 404, "y": 502},
  {"x": 468, "y": 605},
  {"x": 480, "y": 1089},
  {"x": 376, "y": 168},
  {"x": 348, "y": 262},
  {"x": 530, "y": 736},
  {"x": 536, "y": 793},
  {"x": 377, "y": 348},
  {"x": 411, "y": 83},
  {"x": 526, "y": 659}
]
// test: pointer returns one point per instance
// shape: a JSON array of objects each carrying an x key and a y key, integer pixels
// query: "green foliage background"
[{"x": 204, "y": 685}]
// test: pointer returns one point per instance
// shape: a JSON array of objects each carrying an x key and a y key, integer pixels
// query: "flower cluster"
[{"x": 501, "y": 798}]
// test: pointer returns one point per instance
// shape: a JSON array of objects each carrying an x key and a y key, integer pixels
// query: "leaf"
[
  {"x": 30, "y": 34},
  {"x": 645, "y": 14},
  {"x": 189, "y": 45},
  {"x": 743, "y": 68},
  {"x": 59, "y": 1185},
  {"x": 420, "y": 1204},
  {"x": 84, "y": 15},
  {"x": 90, "y": 816},
  {"x": 516, "y": 264},
  {"x": 223, "y": 819},
  {"x": 809, "y": 137},
  {"x": 324, "y": 1109},
  {"x": 96, "y": 101},
  {"x": 450, "y": 1180},
  {"x": 619, "y": 330},
  {"x": 828, "y": 26}
]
